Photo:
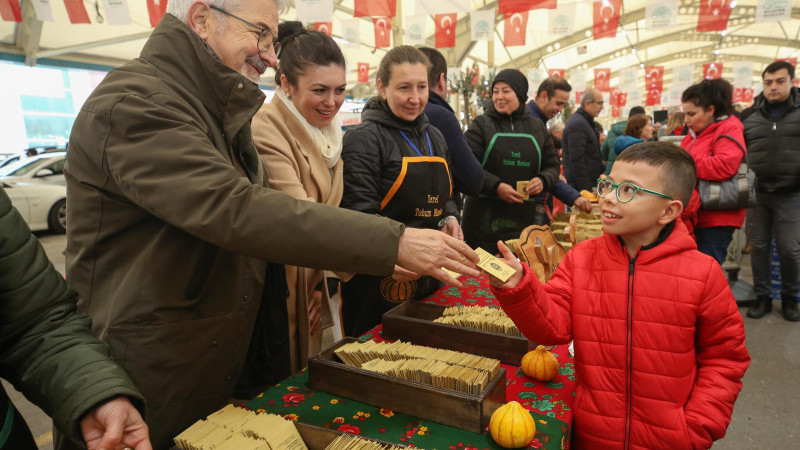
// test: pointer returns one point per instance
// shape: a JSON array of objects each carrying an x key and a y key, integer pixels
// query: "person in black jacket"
[
  {"x": 396, "y": 165},
  {"x": 772, "y": 134},
  {"x": 467, "y": 171},
  {"x": 512, "y": 147},
  {"x": 581, "y": 152}
]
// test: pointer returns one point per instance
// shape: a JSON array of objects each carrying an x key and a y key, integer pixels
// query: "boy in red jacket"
[{"x": 659, "y": 341}]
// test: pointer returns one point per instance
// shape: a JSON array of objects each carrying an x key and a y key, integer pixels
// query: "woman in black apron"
[
  {"x": 519, "y": 161},
  {"x": 396, "y": 165}
]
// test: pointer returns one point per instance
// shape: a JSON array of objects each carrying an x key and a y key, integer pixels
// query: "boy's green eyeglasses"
[{"x": 625, "y": 191}]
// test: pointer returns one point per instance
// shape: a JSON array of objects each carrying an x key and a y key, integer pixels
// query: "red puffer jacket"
[
  {"x": 722, "y": 165},
  {"x": 659, "y": 342}
]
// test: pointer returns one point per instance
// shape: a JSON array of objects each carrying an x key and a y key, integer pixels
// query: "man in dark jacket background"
[
  {"x": 466, "y": 170},
  {"x": 772, "y": 135},
  {"x": 581, "y": 152},
  {"x": 50, "y": 355}
]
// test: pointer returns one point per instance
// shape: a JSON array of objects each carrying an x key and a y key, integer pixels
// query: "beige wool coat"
[{"x": 293, "y": 164}]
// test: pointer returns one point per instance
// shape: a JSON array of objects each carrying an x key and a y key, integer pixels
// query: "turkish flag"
[
  {"x": 578, "y": 95},
  {"x": 622, "y": 99},
  {"x": 512, "y": 6},
  {"x": 10, "y": 11},
  {"x": 606, "y": 18},
  {"x": 323, "y": 27},
  {"x": 363, "y": 72},
  {"x": 156, "y": 10},
  {"x": 602, "y": 77},
  {"x": 383, "y": 31},
  {"x": 556, "y": 72},
  {"x": 613, "y": 98},
  {"x": 713, "y": 15},
  {"x": 514, "y": 28},
  {"x": 792, "y": 61},
  {"x": 712, "y": 71},
  {"x": 445, "y": 30},
  {"x": 614, "y": 111},
  {"x": 76, "y": 11},
  {"x": 654, "y": 77},
  {"x": 374, "y": 8},
  {"x": 653, "y": 98},
  {"x": 743, "y": 95}
]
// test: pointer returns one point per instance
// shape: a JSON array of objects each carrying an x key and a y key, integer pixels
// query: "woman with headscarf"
[{"x": 513, "y": 148}]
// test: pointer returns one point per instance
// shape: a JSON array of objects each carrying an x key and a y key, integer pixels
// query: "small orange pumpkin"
[
  {"x": 512, "y": 426},
  {"x": 540, "y": 364}
]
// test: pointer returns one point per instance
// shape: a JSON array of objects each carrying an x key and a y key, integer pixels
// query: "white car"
[{"x": 38, "y": 190}]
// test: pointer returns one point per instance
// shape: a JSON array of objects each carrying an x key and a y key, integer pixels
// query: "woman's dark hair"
[
  {"x": 404, "y": 54},
  {"x": 717, "y": 93},
  {"x": 636, "y": 124},
  {"x": 301, "y": 50}
]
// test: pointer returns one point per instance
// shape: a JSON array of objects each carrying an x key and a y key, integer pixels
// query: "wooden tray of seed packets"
[
  {"x": 416, "y": 323},
  {"x": 345, "y": 370}
]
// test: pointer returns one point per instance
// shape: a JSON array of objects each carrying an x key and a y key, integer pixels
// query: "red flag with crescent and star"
[
  {"x": 712, "y": 71},
  {"x": 512, "y": 6},
  {"x": 613, "y": 97},
  {"x": 556, "y": 72},
  {"x": 324, "y": 27},
  {"x": 374, "y": 8},
  {"x": 10, "y": 10},
  {"x": 578, "y": 95},
  {"x": 602, "y": 79},
  {"x": 742, "y": 95},
  {"x": 363, "y": 72},
  {"x": 654, "y": 77},
  {"x": 76, "y": 11},
  {"x": 713, "y": 15},
  {"x": 383, "y": 31},
  {"x": 606, "y": 18},
  {"x": 515, "y": 27},
  {"x": 445, "y": 30},
  {"x": 615, "y": 111},
  {"x": 653, "y": 98},
  {"x": 156, "y": 10},
  {"x": 622, "y": 99}
]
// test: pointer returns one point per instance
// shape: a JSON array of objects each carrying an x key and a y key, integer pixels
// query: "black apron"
[
  {"x": 507, "y": 157},
  {"x": 417, "y": 199}
]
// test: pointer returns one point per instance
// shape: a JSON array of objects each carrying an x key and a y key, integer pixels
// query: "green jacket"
[
  {"x": 46, "y": 349},
  {"x": 171, "y": 225},
  {"x": 607, "y": 149}
]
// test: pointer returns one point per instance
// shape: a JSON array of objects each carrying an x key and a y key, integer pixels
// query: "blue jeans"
[
  {"x": 778, "y": 212},
  {"x": 714, "y": 241}
]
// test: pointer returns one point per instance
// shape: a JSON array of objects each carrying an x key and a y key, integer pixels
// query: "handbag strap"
[{"x": 741, "y": 147}]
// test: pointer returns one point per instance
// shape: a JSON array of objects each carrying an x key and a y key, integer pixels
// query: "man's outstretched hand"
[
  {"x": 115, "y": 424},
  {"x": 427, "y": 251}
]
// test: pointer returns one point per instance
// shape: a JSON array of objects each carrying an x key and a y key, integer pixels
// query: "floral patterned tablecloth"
[{"x": 548, "y": 402}]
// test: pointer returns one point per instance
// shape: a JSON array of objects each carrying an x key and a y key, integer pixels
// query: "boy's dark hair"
[
  {"x": 778, "y": 65},
  {"x": 301, "y": 50},
  {"x": 636, "y": 124},
  {"x": 438, "y": 65},
  {"x": 552, "y": 84},
  {"x": 636, "y": 110},
  {"x": 674, "y": 164},
  {"x": 404, "y": 54},
  {"x": 717, "y": 93}
]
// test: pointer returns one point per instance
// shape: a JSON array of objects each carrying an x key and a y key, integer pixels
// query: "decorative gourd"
[
  {"x": 397, "y": 291},
  {"x": 512, "y": 426},
  {"x": 540, "y": 364}
]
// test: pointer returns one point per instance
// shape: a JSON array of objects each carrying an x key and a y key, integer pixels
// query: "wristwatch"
[{"x": 444, "y": 220}]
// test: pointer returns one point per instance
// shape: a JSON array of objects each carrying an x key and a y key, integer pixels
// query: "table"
[{"x": 549, "y": 403}]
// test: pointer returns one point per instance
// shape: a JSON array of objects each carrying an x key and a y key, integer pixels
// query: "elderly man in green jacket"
[
  {"x": 48, "y": 353},
  {"x": 172, "y": 224}
]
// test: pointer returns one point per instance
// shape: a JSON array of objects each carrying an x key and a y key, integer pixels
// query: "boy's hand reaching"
[{"x": 509, "y": 258}]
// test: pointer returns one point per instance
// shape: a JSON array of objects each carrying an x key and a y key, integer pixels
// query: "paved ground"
[{"x": 766, "y": 415}]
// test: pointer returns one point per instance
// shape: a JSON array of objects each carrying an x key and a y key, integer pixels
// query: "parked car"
[
  {"x": 8, "y": 158},
  {"x": 38, "y": 190}
]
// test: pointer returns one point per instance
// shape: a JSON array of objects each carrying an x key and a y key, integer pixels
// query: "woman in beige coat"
[{"x": 299, "y": 140}]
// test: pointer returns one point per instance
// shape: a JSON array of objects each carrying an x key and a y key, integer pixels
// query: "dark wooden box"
[
  {"x": 413, "y": 322},
  {"x": 318, "y": 438},
  {"x": 469, "y": 412}
]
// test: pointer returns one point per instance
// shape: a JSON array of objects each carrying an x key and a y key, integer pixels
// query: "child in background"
[{"x": 659, "y": 341}]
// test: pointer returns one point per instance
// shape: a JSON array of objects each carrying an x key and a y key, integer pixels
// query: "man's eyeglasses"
[
  {"x": 601, "y": 102},
  {"x": 265, "y": 37},
  {"x": 625, "y": 191}
]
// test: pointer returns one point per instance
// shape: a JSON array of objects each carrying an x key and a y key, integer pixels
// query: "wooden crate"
[
  {"x": 413, "y": 322},
  {"x": 469, "y": 412},
  {"x": 318, "y": 438}
]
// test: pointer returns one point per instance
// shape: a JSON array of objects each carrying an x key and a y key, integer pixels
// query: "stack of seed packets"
[
  {"x": 447, "y": 369},
  {"x": 479, "y": 317},
  {"x": 233, "y": 428},
  {"x": 351, "y": 442}
]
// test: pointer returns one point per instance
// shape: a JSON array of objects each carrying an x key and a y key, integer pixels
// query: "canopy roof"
[{"x": 634, "y": 44}]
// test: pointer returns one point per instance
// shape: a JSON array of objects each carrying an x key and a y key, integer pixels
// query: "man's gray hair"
[
  {"x": 587, "y": 97},
  {"x": 180, "y": 8},
  {"x": 555, "y": 126}
]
